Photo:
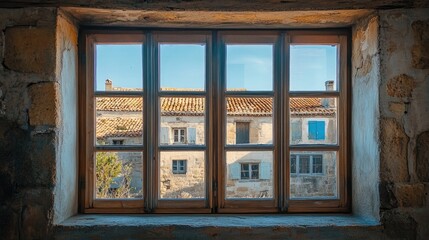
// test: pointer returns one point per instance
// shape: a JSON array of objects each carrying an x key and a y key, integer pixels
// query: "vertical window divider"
[
  {"x": 221, "y": 120},
  {"x": 213, "y": 92},
  {"x": 151, "y": 124},
  {"x": 285, "y": 121},
  {"x": 277, "y": 121}
]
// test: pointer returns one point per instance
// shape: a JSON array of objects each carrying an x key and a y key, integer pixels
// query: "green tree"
[{"x": 111, "y": 172}]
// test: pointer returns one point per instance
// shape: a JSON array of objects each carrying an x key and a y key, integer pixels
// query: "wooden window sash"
[{"x": 213, "y": 91}]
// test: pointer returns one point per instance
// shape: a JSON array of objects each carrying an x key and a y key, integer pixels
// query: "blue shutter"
[
  {"x": 234, "y": 171},
  {"x": 320, "y": 130},
  {"x": 265, "y": 170},
  {"x": 316, "y": 130},
  {"x": 312, "y": 130},
  {"x": 296, "y": 130},
  {"x": 192, "y": 135},
  {"x": 164, "y": 138}
]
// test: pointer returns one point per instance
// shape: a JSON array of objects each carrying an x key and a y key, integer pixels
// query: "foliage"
[{"x": 113, "y": 178}]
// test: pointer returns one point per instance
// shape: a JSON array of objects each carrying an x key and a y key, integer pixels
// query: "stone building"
[
  {"x": 313, "y": 120},
  {"x": 39, "y": 114}
]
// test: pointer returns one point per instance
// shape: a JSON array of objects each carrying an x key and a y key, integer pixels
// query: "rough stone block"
[
  {"x": 387, "y": 197},
  {"x": 36, "y": 213},
  {"x": 8, "y": 223},
  {"x": 410, "y": 195},
  {"x": 394, "y": 142},
  {"x": 397, "y": 107},
  {"x": 30, "y": 50},
  {"x": 44, "y": 109},
  {"x": 398, "y": 225},
  {"x": 401, "y": 86},
  {"x": 37, "y": 168},
  {"x": 420, "y": 50},
  {"x": 422, "y": 156}
]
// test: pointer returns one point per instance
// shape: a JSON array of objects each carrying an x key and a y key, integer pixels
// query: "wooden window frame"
[{"x": 215, "y": 146}]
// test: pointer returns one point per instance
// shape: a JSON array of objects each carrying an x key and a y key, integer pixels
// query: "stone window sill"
[{"x": 114, "y": 226}]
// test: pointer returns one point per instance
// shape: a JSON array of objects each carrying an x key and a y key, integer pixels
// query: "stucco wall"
[{"x": 365, "y": 117}]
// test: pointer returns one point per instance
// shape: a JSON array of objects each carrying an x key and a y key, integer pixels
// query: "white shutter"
[
  {"x": 192, "y": 135},
  {"x": 164, "y": 138},
  {"x": 265, "y": 170},
  {"x": 234, "y": 171}
]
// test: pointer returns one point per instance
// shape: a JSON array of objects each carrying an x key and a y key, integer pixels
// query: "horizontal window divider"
[
  {"x": 121, "y": 148},
  {"x": 182, "y": 148},
  {"x": 314, "y": 147},
  {"x": 247, "y": 147},
  {"x": 249, "y": 94},
  {"x": 307, "y": 94},
  {"x": 182, "y": 93},
  {"x": 119, "y": 203},
  {"x": 118, "y": 94}
]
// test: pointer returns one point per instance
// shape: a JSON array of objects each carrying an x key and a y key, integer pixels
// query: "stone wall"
[
  {"x": 29, "y": 120},
  {"x": 404, "y": 125},
  {"x": 389, "y": 108}
]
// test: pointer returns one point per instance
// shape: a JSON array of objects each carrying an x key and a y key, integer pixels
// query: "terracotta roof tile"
[
  {"x": 194, "y": 106},
  {"x": 119, "y": 127}
]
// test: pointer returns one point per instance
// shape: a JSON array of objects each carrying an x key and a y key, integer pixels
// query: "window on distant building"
[
  {"x": 118, "y": 141},
  {"x": 214, "y": 121},
  {"x": 249, "y": 171},
  {"x": 306, "y": 164},
  {"x": 242, "y": 132},
  {"x": 179, "y": 166},
  {"x": 179, "y": 135}
]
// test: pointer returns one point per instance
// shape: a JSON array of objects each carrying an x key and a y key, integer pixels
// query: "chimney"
[
  {"x": 329, "y": 102},
  {"x": 329, "y": 85},
  {"x": 108, "y": 85}
]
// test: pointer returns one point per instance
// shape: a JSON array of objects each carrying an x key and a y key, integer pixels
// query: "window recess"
[{"x": 217, "y": 121}]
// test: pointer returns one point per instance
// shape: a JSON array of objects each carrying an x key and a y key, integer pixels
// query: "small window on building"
[
  {"x": 293, "y": 164},
  {"x": 179, "y": 135},
  {"x": 249, "y": 171},
  {"x": 317, "y": 164},
  {"x": 316, "y": 130},
  {"x": 118, "y": 142},
  {"x": 179, "y": 167},
  {"x": 306, "y": 164},
  {"x": 242, "y": 132}
]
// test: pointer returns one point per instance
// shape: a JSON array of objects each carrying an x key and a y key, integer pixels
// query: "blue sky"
[{"x": 248, "y": 66}]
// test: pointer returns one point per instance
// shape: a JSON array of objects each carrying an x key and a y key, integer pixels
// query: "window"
[
  {"x": 316, "y": 130},
  {"x": 118, "y": 141},
  {"x": 306, "y": 164},
  {"x": 179, "y": 166},
  {"x": 214, "y": 121},
  {"x": 179, "y": 135},
  {"x": 249, "y": 171},
  {"x": 242, "y": 132}
]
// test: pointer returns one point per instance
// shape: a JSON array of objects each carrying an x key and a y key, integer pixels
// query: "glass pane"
[
  {"x": 249, "y": 174},
  {"x": 313, "y": 121},
  {"x": 119, "y": 121},
  {"x": 182, "y": 121},
  {"x": 249, "y": 67},
  {"x": 182, "y": 175},
  {"x": 313, "y": 174},
  {"x": 119, "y": 67},
  {"x": 119, "y": 175},
  {"x": 313, "y": 67},
  {"x": 249, "y": 120},
  {"x": 182, "y": 67}
]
